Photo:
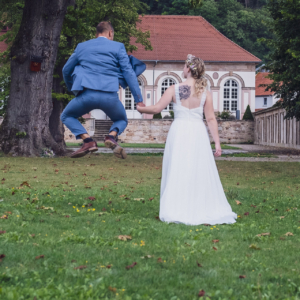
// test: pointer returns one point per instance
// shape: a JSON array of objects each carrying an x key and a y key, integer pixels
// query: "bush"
[
  {"x": 248, "y": 114},
  {"x": 157, "y": 116},
  {"x": 225, "y": 115}
]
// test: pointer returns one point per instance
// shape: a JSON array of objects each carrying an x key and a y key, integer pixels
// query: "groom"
[{"x": 93, "y": 73}]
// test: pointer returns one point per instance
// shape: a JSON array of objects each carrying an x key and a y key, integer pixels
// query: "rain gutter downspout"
[{"x": 153, "y": 81}]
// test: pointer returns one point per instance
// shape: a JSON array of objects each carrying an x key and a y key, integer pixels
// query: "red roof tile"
[
  {"x": 3, "y": 45},
  {"x": 173, "y": 37},
  {"x": 260, "y": 78}
]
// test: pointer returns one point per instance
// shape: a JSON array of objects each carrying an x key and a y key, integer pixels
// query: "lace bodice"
[{"x": 182, "y": 112}]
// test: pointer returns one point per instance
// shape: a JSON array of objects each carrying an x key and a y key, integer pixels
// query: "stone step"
[{"x": 101, "y": 129}]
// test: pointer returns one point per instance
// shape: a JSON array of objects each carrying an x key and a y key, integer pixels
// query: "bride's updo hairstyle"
[{"x": 197, "y": 68}]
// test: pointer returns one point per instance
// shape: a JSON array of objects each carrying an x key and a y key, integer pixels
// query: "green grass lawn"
[
  {"x": 49, "y": 213},
  {"x": 140, "y": 145}
]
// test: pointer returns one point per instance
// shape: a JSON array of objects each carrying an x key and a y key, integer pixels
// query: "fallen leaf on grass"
[
  {"x": 3, "y": 179},
  {"x": 108, "y": 266},
  {"x": 252, "y": 205},
  {"x": 238, "y": 202},
  {"x": 1, "y": 257},
  {"x": 8, "y": 212},
  {"x": 215, "y": 248},
  {"x": 103, "y": 209},
  {"x": 157, "y": 218},
  {"x": 92, "y": 198},
  {"x": 138, "y": 199},
  {"x": 201, "y": 293},
  {"x": 282, "y": 217},
  {"x": 39, "y": 256},
  {"x": 237, "y": 183},
  {"x": 4, "y": 217},
  {"x": 246, "y": 213},
  {"x": 112, "y": 289},
  {"x": 150, "y": 199},
  {"x": 215, "y": 241},
  {"x": 32, "y": 235},
  {"x": 263, "y": 234},
  {"x": 80, "y": 268},
  {"x": 199, "y": 265},
  {"x": 288, "y": 234},
  {"x": 125, "y": 237},
  {"x": 257, "y": 212},
  {"x": 242, "y": 276},
  {"x": 25, "y": 183},
  {"x": 44, "y": 207},
  {"x": 67, "y": 216},
  {"x": 254, "y": 247},
  {"x": 73, "y": 260},
  {"x": 159, "y": 260},
  {"x": 2, "y": 232},
  {"x": 147, "y": 256},
  {"x": 131, "y": 266}
]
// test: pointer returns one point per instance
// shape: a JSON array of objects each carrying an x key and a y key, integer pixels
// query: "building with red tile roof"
[
  {"x": 263, "y": 98},
  {"x": 173, "y": 36}
]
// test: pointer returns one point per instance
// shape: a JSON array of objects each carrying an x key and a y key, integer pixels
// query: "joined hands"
[{"x": 139, "y": 105}]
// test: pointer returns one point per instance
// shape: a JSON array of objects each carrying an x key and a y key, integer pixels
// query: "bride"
[{"x": 191, "y": 190}]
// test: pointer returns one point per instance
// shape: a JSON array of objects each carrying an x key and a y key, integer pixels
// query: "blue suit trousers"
[{"x": 88, "y": 100}]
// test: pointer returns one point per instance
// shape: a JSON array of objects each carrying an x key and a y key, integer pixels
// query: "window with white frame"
[
  {"x": 129, "y": 100},
  {"x": 265, "y": 101},
  {"x": 230, "y": 101},
  {"x": 164, "y": 86}
]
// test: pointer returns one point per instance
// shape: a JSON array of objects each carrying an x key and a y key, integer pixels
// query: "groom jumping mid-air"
[{"x": 92, "y": 73}]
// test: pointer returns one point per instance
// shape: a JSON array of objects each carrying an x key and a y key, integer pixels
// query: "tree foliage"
[{"x": 284, "y": 59}]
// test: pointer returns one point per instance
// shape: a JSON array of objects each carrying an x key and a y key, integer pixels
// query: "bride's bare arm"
[
  {"x": 212, "y": 122},
  {"x": 160, "y": 105}
]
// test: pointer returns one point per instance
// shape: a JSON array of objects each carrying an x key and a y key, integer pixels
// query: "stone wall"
[
  {"x": 272, "y": 129},
  {"x": 156, "y": 131}
]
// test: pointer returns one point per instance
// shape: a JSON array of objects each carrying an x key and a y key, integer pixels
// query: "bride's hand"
[{"x": 218, "y": 151}]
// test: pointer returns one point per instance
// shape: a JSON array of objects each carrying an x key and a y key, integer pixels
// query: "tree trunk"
[
  {"x": 55, "y": 124},
  {"x": 25, "y": 129}
]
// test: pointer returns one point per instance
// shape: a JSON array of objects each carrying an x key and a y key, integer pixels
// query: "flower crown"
[{"x": 189, "y": 61}]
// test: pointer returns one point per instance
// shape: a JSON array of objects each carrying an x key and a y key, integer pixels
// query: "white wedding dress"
[{"x": 191, "y": 190}]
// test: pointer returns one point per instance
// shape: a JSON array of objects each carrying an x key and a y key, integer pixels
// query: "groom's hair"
[{"x": 104, "y": 26}]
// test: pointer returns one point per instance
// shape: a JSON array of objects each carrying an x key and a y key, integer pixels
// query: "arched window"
[
  {"x": 164, "y": 86},
  {"x": 230, "y": 95},
  {"x": 129, "y": 100}
]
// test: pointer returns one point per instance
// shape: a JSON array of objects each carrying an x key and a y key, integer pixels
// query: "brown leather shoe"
[
  {"x": 111, "y": 143},
  {"x": 85, "y": 149}
]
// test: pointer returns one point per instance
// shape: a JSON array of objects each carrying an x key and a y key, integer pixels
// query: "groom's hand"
[{"x": 139, "y": 105}]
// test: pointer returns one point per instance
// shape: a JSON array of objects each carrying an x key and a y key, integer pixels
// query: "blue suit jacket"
[{"x": 102, "y": 64}]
